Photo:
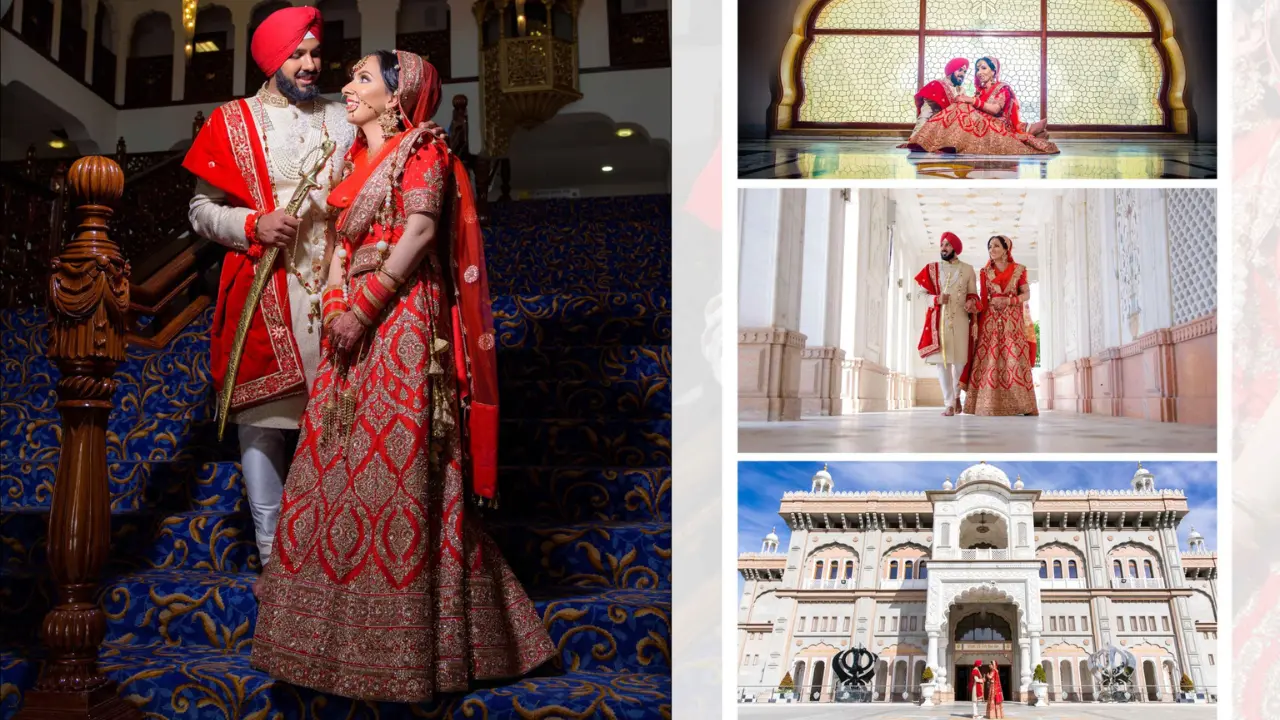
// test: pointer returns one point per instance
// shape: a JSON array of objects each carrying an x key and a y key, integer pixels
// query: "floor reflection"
[{"x": 880, "y": 159}]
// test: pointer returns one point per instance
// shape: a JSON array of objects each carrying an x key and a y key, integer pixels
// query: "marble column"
[
  {"x": 770, "y": 343},
  {"x": 932, "y": 659},
  {"x": 241, "y": 16},
  {"x": 822, "y": 358},
  {"x": 1024, "y": 659}
]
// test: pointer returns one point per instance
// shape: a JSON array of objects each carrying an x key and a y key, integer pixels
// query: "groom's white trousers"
[
  {"x": 264, "y": 462},
  {"x": 949, "y": 377}
]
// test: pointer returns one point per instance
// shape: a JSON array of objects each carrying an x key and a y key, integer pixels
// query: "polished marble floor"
[
  {"x": 925, "y": 430},
  {"x": 893, "y": 711},
  {"x": 880, "y": 159}
]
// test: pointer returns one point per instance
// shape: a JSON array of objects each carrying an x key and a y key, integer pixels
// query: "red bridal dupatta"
[{"x": 476, "y": 356}]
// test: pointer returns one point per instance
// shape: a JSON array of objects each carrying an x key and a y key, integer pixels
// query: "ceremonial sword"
[{"x": 261, "y": 273}]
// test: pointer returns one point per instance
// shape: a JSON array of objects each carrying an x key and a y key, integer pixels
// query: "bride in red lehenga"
[
  {"x": 1000, "y": 381},
  {"x": 989, "y": 123},
  {"x": 384, "y": 586}
]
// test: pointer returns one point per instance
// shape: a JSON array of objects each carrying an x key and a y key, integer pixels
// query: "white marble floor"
[
  {"x": 880, "y": 159},
  {"x": 925, "y": 430},
  {"x": 893, "y": 711}
]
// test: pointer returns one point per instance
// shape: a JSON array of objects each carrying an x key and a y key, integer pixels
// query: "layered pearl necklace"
[{"x": 290, "y": 166}]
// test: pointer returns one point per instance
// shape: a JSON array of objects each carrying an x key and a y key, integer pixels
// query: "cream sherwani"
[
  {"x": 957, "y": 280},
  {"x": 291, "y": 132}
]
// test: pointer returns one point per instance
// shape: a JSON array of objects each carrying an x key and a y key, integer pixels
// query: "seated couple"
[
  {"x": 987, "y": 123},
  {"x": 988, "y": 336}
]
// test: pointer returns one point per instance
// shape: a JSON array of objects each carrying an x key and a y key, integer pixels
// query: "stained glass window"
[{"x": 1085, "y": 64}]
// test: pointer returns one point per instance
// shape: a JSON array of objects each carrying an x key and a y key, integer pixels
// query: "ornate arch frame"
[{"x": 785, "y": 109}]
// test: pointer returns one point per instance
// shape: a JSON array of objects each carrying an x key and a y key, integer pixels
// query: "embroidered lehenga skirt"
[
  {"x": 1000, "y": 381},
  {"x": 966, "y": 131},
  {"x": 383, "y": 586}
]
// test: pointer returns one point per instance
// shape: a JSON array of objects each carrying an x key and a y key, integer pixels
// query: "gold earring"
[{"x": 389, "y": 122}]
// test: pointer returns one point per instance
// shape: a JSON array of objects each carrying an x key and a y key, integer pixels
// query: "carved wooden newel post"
[{"x": 89, "y": 298}]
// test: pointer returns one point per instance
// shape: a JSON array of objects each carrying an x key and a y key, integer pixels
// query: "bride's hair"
[
  {"x": 1004, "y": 242},
  {"x": 991, "y": 64},
  {"x": 390, "y": 65}
]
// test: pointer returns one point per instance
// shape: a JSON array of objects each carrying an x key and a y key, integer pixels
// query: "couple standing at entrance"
[
  {"x": 982, "y": 342},
  {"x": 984, "y": 684},
  {"x": 989, "y": 122}
]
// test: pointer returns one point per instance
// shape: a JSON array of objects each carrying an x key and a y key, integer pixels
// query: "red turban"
[
  {"x": 280, "y": 34},
  {"x": 955, "y": 65},
  {"x": 950, "y": 237}
]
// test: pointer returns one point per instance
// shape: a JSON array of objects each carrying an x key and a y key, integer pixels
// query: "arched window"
[
  {"x": 834, "y": 572},
  {"x": 1057, "y": 569},
  {"x": 983, "y": 627},
  {"x": 922, "y": 572},
  {"x": 1118, "y": 568},
  {"x": 1044, "y": 570},
  {"x": 848, "y": 571},
  {"x": 1049, "y": 50},
  {"x": 1150, "y": 568},
  {"x": 1133, "y": 568},
  {"x": 908, "y": 570},
  {"x": 893, "y": 570},
  {"x": 1071, "y": 570},
  {"x": 817, "y": 570}
]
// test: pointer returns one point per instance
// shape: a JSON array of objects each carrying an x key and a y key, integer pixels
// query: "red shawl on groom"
[{"x": 931, "y": 336}]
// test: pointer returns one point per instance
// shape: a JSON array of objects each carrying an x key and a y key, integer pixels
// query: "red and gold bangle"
[
  {"x": 371, "y": 298},
  {"x": 251, "y": 234},
  {"x": 333, "y": 304}
]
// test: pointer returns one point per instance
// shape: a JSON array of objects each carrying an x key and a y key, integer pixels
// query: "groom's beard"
[
  {"x": 948, "y": 256},
  {"x": 296, "y": 94},
  {"x": 956, "y": 79}
]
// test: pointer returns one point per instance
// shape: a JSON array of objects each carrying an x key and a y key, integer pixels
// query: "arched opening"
[
  {"x": 1048, "y": 678},
  {"x": 1057, "y": 569},
  {"x": 149, "y": 74},
  {"x": 341, "y": 48},
  {"x": 797, "y": 677},
  {"x": 815, "y": 687},
  {"x": 982, "y": 632},
  {"x": 1041, "y": 48},
  {"x": 104, "y": 54},
  {"x": 899, "y": 681},
  {"x": 893, "y": 570},
  {"x": 882, "y": 680},
  {"x": 983, "y": 627},
  {"x": 984, "y": 531},
  {"x": 422, "y": 26},
  {"x": 1069, "y": 691},
  {"x": 72, "y": 39},
  {"x": 1171, "y": 677},
  {"x": 916, "y": 672},
  {"x": 1149, "y": 677},
  {"x": 211, "y": 70},
  {"x": 1072, "y": 570},
  {"x": 817, "y": 570},
  {"x": 909, "y": 571},
  {"x": 1086, "y": 682}
]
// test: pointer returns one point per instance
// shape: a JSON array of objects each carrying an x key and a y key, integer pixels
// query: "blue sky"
[{"x": 761, "y": 485}]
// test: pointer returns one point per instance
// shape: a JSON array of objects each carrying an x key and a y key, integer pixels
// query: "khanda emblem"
[
  {"x": 854, "y": 669},
  {"x": 1114, "y": 669}
]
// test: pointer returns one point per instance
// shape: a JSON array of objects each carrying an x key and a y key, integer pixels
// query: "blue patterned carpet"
[{"x": 582, "y": 302}]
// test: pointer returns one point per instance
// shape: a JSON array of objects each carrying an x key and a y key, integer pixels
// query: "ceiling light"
[
  {"x": 625, "y": 132},
  {"x": 57, "y": 144},
  {"x": 607, "y": 168}
]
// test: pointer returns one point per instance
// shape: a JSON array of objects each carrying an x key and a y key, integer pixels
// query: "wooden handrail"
[{"x": 88, "y": 298}]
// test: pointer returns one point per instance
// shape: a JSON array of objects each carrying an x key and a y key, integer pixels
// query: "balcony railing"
[
  {"x": 1063, "y": 584},
  {"x": 837, "y": 584},
  {"x": 901, "y": 584},
  {"x": 1136, "y": 583},
  {"x": 985, "y": 554}
]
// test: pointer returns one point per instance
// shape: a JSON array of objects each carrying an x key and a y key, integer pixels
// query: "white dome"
[
  {"x": 1195, "y": 535},
  {"x": 771, "y": 537},
  {"x": 822, "y": 474},
  {"x": 983, "y": 471}
]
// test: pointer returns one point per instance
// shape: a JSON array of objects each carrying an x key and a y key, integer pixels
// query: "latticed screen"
[{"x": 1082, "y": 63}]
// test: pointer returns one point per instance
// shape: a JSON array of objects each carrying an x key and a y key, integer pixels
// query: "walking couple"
[
  {"x": 984, "y": 684},
  {"x": 982, "y": 342},
  {"x": 989, "y": 122},
  {"x": 374, "y": 337}
]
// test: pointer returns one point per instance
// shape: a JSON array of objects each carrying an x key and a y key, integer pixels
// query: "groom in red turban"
[
  {"x": 936, "y": 95},
  {"x": 948, "y": 335},
  {"x": 248, "y": 160}
]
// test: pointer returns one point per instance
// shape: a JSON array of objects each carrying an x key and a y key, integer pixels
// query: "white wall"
[{"x": 19, "y": 63}]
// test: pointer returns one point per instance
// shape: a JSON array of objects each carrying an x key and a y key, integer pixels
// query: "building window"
[
  {"x": 1164, "y": 620},
  {"x": 1133, "y": 568},
  {"x": 834, "y": 572},
  {"x": 881, "y": 626},
  {"x": 848, "y": 571},
  {"x": 1151, "y": 572},
  {"x": 1152, "y": 618},
  {"x": 893, "y": 624},
  {"x": 813, "y": 625},
  {"x": 908, "y": 570},
  {"x": 1143, "y": 623},
  {"x": 846, "y": 624},
  {"x": 1057, "y": 569},
  {"x": 1118, "y": 568},
  {"x": 1053, "y": 624},
  {"x": 1072, "y": 619},
  {"x": 922, "y": 571},
  {"x": 1133, "y": 624},
  {"x": 893, "y": 570},
  {"x": 817, "y": 571},
  {"x": 1071, "y": 570},
  {"x": 913, "y": 623},
  {"x": 1120, "y": 623},
  {"x": 1211, "y": 659},
  {"x": 1084, "y": 623},
  {"x": 1044, "y": 570}
]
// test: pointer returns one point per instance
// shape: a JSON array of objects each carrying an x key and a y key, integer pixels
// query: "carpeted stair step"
[
  {"x": 602, "y": 363},
  {"x": 566, "y": 320},
  {"x": 202, "y": 683},
  {"x": 594, "y": 628},
  {"x": 593, "y": 554},
  {"x": 134, "y": 485},
  {"x": 574, "y": 442},
  {"x": 643, "y": 398},
  {"x": 574, "y": 495}
]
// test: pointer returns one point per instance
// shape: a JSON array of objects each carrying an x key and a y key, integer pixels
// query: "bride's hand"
[
  {"x": 345, "y": 332},
  {"x": 438, "y": 132}
]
